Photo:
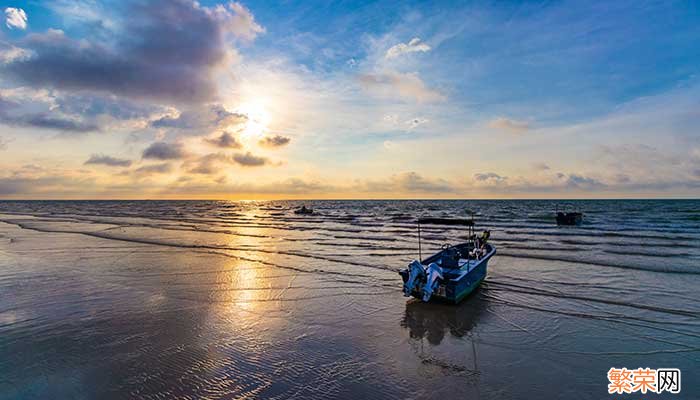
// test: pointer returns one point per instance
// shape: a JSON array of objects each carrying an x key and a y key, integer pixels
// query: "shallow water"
[{"x": 207, "y": 299}]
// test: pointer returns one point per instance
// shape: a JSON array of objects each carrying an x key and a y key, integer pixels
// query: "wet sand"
[{"x": 136, "y": 311}]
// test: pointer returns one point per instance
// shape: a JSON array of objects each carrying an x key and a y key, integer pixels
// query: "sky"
[{"x": 136, "y": 99}]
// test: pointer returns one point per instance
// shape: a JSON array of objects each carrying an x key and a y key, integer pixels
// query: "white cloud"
[
  {"x": 415, "y": 122},
  {"x": 10, "y": 53},
  {"x": 415, "y": 45},
  {"x": 392, "y": 119},
  {"x": 391, "y": 84},
  {"x": 240, "y": 22},
  {"x": 15, "y": 18},
  {"x": 510, "y": 125}
]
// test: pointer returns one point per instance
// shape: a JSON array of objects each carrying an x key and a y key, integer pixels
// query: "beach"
[{"x": 225, "y": 299}]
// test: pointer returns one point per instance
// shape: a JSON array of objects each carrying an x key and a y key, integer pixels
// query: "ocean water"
[{"x": 216, "y": 299}]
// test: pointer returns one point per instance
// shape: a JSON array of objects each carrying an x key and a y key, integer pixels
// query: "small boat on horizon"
[
  {"x": 570, "y": 218},
  {"x": 452, "y": 273}
]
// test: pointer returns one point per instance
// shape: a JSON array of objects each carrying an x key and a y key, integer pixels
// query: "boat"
[
  {"x": 454, "y": 272},
  {"x": 570, "y": 218},
  {"x": 304, "y": 211}
]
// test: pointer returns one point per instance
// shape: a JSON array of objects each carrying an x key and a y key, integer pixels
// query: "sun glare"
[{"x": 258, "y": 119}]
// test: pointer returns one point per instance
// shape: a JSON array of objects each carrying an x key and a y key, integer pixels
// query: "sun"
[{"x": 258, "y": 118}]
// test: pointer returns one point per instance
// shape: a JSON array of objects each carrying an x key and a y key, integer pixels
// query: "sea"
[{"x": 246, "y": 299}]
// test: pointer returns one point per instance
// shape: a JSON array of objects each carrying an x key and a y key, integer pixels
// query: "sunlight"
[{"x": 259, "y": 119}]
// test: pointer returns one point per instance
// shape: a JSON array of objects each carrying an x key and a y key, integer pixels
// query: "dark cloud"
[
  {"x": 102, "y": 159},
  {"x": 225, "y": 140},
  {"x": 168, "y": 50},
  {"x": 583, "y": 182},
  {"x": 275, "y": 141},
  {"x": 540, "y": 166},
  {"x": 94, "y": 105},
  {"x": 489, "y": 177},
  {"x": 47, "y": 121},
  {"x": 165, "y": 151},
  {"x": 249, "y": 160},
  {"x": 210, "y": 116}
]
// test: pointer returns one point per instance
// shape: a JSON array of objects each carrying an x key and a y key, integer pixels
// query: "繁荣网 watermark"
[{"x": 623, "y": 380}]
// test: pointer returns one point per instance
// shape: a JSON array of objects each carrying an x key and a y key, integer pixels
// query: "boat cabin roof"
[{"x": 446, "y": 221}]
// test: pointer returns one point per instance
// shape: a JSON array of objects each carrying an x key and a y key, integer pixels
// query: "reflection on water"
[{"x": 433, "y": 320}]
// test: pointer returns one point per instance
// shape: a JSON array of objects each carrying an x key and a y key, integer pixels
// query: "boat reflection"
[{"x": 432, "y": 321}]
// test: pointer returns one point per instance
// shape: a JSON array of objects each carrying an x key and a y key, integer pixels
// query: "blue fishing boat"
[{"x": 452, "y": 273}]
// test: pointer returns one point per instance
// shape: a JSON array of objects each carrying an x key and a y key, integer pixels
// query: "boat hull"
[{"x": 454, "y": 290}]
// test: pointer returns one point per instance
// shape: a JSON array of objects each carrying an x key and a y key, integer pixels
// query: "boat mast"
[{"x": 420, "y": 253}]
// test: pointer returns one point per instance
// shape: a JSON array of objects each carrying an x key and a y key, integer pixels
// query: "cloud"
[
  {"x": 101, "y": 159},
  {"x": 104, "y": 105},
  {"x": 415, "y": 122},
  {"x": 154, "y": 169},
  {"x": 15, "y": 18},
  {"x": 290, "y": 186},
  {"x": 10, "y": 53},
  {"x": 489, "y": 177},
  {"x": 274, "y": 141},
  {"x": 393, "y": 84},
  {"x": 210, "y": 116},
  {"x": 209, "y": 164},
  {"x": 225, "y": 140},
  {"x": 576, "y": 181},
  {"x": 164, "y": 151},
  {"x": 47, "y": 121},
  {"x": 509, "y": 125},
  {"x": 240, "y": 20},
  {"x": 415, "y": 45},
  {"x": 169, "y": 50},
  {"x": 3, "y": 143},
  {"x": 405, "y": 182},
  {"x": 392, "y": 119},
  {"x": 540, "y": 166},
  {"x": 249, "y": 160}
]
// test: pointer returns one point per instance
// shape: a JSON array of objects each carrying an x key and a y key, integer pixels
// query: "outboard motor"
[
  {"x": 416, "y": 273},
  {"x": 433, "y": 273}
]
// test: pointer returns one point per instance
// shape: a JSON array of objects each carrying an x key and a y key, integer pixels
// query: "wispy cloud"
[
  {"x": 415, "y": 45},
  {"x": 510, "y": 125},
  {"x": 49, "y": 121},
  {"x": 101, "y": 159},
  {"x": 397, "y": 85},
  {"x": 152, "y": 169}
]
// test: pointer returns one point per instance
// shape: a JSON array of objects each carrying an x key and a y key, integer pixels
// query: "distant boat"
[
  {"x": 452, "y": 273},
  {"x": 572, "y": 218},
  {"x": 304, "y": 211}
]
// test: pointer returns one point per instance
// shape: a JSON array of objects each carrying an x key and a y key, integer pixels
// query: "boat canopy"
[{"x": 446, "y": 221}]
